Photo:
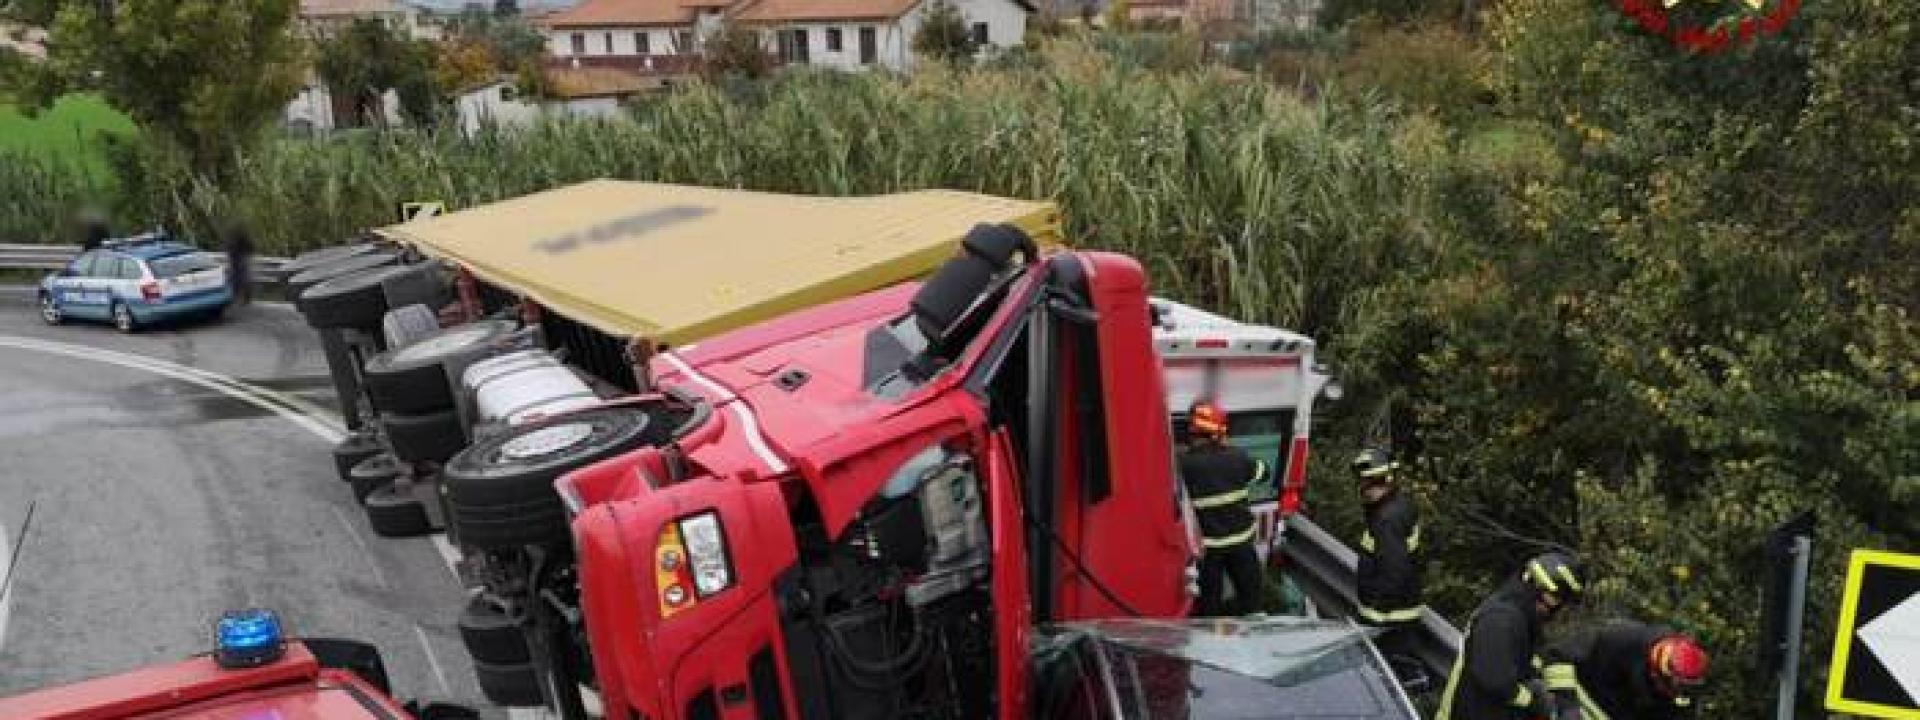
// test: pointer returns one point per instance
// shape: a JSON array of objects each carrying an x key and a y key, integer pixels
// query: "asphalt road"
[{"x": 159, "y": 502}]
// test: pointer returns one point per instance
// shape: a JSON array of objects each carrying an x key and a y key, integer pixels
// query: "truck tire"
[
  {"x": 515, "y": 685},
  {"x": 352, "y": 656},
  {"x": 355, "y": 300},
  {"x": 395, "y": 515},
  {"x": 426, "y": 437},
  {"x": 408, "y": 323},
  {"x": 314, "y": 258},
  {"x": 353, "y": 450},
  {"x": 312, "y": 276},
  {"x": 372, "y": 473},
  {"x": 491, "y": 636},
  {"x": 413, "y": 378},
  {"x": 500, "y": 490}
]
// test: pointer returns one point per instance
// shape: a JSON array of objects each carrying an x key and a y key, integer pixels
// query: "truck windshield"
[{"x": 169, "y": 266}]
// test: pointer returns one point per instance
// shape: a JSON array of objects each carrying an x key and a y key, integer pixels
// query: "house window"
[
  {"x": 640, "y": 46},
  {"x": 793, "y": 46},
  {"x": 869, "y": 46},
  {"x": 683, "y": 42},
  {"x": 980, "y": 34},
  {"x": 609, "y": 40},
  {"x": 833, "y": 40},
  {"x": 579, "y": 44},
  {"x": 509, "y": 93}
]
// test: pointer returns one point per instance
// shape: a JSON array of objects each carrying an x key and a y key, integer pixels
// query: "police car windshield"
[{"x": 176, "y": 265}]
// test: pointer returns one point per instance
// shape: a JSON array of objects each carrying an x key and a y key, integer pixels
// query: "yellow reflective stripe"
[
  {"x": 1390, "y": 616},
  {"x": 1566, "y": 573},
  {"x": 1230, "y": 540},
  {"x": 1379, "y": 470},
  {"x": 1221, "y": 500},
  {"x": 1560, "y": 676},
  {"x": 1522, "y": 697},
  {"x": 1413, "y": 541},
  {"x": 1366, "y": 541},
  {"x": 1259, "y": 471},
  {"x": 1589, "y": 710},
  {"x": 1453, "y": 677},
  {"x": 1540, "y": 577}
]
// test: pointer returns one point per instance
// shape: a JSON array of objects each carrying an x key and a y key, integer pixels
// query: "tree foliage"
[
  {"x": 207, "y": 75},
  {"x": 735, "y": 51},
  {"x": 943, "y": 34},
  {"x": 368, "y": 58}
]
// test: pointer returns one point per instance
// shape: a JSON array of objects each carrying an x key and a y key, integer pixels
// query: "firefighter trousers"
[{"x": 1241, "y": 566}]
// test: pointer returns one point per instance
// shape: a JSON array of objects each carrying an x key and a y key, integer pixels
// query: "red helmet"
[
  {"x": 1678, "y": 662},
  {"x": 1207, "y": 420}
]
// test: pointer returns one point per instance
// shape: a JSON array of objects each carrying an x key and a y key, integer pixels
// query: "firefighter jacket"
[
  {"x": 1605, "y": 673},
  {"x": 1388, "y": 579},
  {"x": 1496, "y": 676},
  {"x": 1217, "y": 476}
]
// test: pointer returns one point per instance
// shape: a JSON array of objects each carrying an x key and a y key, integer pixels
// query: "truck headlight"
[{"x": 690, "y": 562}]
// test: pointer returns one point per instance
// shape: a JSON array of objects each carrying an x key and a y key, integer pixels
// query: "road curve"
[{"x": 164, "y": 494}]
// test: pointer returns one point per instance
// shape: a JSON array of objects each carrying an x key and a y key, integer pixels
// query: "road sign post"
[
  {"x": 1789, "y": 551},
  {"x": 1876, "y": 650},
  {"x": 1796, "y": 608}
]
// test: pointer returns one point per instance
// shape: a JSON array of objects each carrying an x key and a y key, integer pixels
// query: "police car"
[{"x": 135, "y": 282}]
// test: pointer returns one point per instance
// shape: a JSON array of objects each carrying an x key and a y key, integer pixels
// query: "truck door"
[{"x": 1115, "y": 514}]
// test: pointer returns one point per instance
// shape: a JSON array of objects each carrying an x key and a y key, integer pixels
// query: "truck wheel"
[
  {"x": 407, "y": 323},
  {"x": 355, "y": 300},
  {"x": 427, "y": 437},
  {"x": 395, "y": 515},
  {"x": 491, "y": 636},
  {"x": 500, "y": 490},
  {"x": 413, "y": 378},
  {"x": 314, "y": 258},
  {"x": 509, "y": 685},
  {"x": 372, "y": 473},
  {"x": 352, "y": 451},
  {"x": 353, "y": 656},
  {"x": 313, "y": 275}
]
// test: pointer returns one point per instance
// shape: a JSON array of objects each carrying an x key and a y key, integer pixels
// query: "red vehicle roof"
[{"x": 294, "y": 687}]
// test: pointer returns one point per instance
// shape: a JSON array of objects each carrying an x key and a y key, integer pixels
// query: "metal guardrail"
[
  {"x": 1326, "y": 568},
  {"x": 15, "y": 256}
]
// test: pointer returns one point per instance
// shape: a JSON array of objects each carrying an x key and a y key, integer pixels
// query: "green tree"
[
  {"x": 369, "y": 58},
  {"x": 943, "y": 34},
  {"x": 735, "y": 51},
  {"x": 206, "y": 75}
]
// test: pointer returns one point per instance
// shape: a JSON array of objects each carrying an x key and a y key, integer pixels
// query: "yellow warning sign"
[{"x": 1876, "y": 650}]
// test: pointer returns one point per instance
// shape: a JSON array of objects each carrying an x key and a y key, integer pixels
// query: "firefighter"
[
  {"x": 1217, "y": 476},
  {"x": 1497, "y": 676},
  {"x": 1626, "y": 671},
  {"x": 1387, "y": 579}
]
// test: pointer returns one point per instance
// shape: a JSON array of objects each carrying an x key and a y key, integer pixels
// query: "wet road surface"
[{"x": 158, "y": 503}]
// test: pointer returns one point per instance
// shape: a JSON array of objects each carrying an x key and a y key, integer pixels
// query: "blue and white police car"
[{"x": 136, "y": 281}]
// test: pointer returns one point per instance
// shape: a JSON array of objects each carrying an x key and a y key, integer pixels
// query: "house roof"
[
  {"x": 615, "y": 13},
  {"x": 587, "y": 82},
  {"x": 777, "y": 11},
  {"x": 348, "y": 8}
]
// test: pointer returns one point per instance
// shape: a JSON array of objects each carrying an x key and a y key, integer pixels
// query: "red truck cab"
[{"x": 885, "y": 494}]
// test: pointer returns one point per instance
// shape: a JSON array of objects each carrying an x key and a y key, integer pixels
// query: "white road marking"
[
  {"x": 366, "y": 551},
  {"x": 433, "y": 661},
  {"x": 6, "y": 596}
]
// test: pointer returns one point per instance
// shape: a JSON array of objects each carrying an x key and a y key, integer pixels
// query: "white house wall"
[
  {"x": 1006, "y": 27},
  {"x": 489, "y": 105},
  {"x": 659, "y": 41}
]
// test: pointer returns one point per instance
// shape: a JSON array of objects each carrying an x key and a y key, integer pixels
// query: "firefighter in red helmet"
[
  {"x": 1626, "y": 671},
  {"x": 1217, "y": 475}
]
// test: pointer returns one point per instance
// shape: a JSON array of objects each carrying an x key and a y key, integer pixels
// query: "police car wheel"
[
  {"x": 412, "y": 378},
  {"x": 500, "y": 489},
  {"x": 50, "y": 310},
  {"x": 123, "y": 318},
  {"x": 395, "y": 515},
  {"x": 424, "y": 437}
]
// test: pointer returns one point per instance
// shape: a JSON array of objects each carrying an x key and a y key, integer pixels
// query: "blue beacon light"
[{"x": 247, "y": 638}]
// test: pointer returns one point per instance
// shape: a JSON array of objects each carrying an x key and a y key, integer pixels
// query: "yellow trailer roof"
[{"x": 679, "y": 263}]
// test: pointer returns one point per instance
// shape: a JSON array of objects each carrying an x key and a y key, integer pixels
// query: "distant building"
[
  {"x": 665, "y": 36},
  {"x": 582, "y": 92},
  {"x": 321, "y": 18}
]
